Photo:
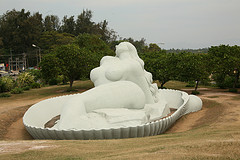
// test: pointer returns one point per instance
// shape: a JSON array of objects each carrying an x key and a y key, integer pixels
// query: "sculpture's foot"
[{"x": 194, "y": 104}]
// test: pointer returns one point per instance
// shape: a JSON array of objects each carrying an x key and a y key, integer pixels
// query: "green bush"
[
  {"x": 71, "y": 90},
  {"x": 223, "y": 81},
  {"x": 234, "y": 90},
  {"x": 25, "y": 79},
  {"x": 26, "y": 88},
  {"x": 53, "y": 82},
  {"x": 190, "y": 85},
  {"x": 205, "y": 82},
  {"x": 6, "y": 84},
  {"x": 2, "y": 86},
  {"x": 61, "y": 79},
  {"x": 17, "y": 90},
  {"x": 195, "y": 92},
  {"x": 37, "y": 74},
  {"x": 35, "y": 85},
  {"x": 5, "y": 95}
]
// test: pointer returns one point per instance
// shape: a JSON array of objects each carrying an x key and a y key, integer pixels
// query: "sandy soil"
[{"x": 219, "y": 116}]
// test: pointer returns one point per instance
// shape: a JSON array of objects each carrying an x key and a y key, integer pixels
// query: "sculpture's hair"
[
  {"x": 148, "y": 76},
  {"x": 133, "y": 53}
]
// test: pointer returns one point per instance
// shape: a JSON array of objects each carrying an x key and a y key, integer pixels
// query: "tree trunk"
[
  {"x": 196, "y": 86},
  {"x": 236, "y": 79},
  {"x": 162, "y": 84},
  {"x": 71, "y": 83}
]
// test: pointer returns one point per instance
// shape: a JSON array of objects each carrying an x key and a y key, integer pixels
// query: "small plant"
[
  {"x": 71, "y": 90},
  {"x": 195, "y": 92},
  {"x": 26, "y": 88},
  {"x": 16, "y": 90},
  {"x": 35, "y": 85},
  {"x": 5, "y": 95},
  {"x": 25, "y": 79},
  {"x": 6, "y": 84},
  {"x": 234, "y": 90},
  {"x": 36, "y": 73}
]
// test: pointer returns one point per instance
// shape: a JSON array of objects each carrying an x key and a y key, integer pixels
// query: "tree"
[
  {"x": 97, "y": 47},
  {"x": 160, "y": 64},
  {"x": 68, "y": 25},
  {"x": 73, "y": 61},
  {"x": 93, "y": 43},
  {"x": 51, "y": 23},
  {"x": 19, "y": 30},
  {"x": 50, "y": 67},
  {"x": 139, "y": 44},
  {"x": 107, "y": 35},
  {"x": 193, "y": 67},
  {"x": 226, "y": 63},
  {"x": 51, "y": 39},
  {"x": 84, "y": 23}
]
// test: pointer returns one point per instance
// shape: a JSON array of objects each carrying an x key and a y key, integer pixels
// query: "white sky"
[{"x": 177, "y": 23}]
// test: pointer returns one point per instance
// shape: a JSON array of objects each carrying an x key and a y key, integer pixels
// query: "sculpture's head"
[
  {"x": 126, "y": 47},
  {"x": 127, "y": 50}
]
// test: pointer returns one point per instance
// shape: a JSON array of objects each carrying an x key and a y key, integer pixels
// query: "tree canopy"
[{"x": 225, "y": 62}]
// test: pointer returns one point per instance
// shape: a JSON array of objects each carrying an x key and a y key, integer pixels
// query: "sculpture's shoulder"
[{"x": 108, "y": 59}]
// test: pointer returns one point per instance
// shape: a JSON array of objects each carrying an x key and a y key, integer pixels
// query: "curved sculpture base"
[{"x": 37, "y": 115}]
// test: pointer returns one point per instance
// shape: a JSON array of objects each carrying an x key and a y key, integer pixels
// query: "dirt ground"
[{"x": 223, "y": 114}]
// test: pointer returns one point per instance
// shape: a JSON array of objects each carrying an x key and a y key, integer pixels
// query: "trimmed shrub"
[
  {"x": 35, "y": 85},
  {"x": 234, "y": 90},
  {"x": 52, "y": 82},
  {"x": 224, "y": 81},
  {"x": 26, "y": 88},
  {"x": 59, "y": 79},
  {"x": 16, "y": 90},
  {"x": 190, "y": 85},
  {"x": 5, "y": 95},
  {"x": 71, "y": 90},
  {"x": 195, "y": 92}
]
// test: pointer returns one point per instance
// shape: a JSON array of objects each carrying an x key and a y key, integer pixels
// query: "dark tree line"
[{"x": 20, "y": 29}]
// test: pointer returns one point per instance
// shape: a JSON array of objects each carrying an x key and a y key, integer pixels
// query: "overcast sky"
[{"x": 176, "y": 23}]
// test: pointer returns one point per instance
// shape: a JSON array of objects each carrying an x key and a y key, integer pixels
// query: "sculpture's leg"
[{"x": 70, "y": 113}]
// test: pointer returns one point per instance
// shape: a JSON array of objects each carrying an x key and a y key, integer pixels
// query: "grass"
[
  {"x": 55, "y": 90},
  {"x": 213, "y": 96},
  {"x": 201, "y": 142},
  {"x": 197, "y": 144},
  {"x": 174, "y": 84},
  {"x": 180, "y": 85},
  {"x": 204, "y": 141},
  {"x": 236, "y": 97}
]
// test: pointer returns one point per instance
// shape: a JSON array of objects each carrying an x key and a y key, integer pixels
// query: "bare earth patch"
[{"x": 21, "y": 146}]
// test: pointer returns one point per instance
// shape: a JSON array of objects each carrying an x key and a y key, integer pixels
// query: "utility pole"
[
  {"x": 10, "y": 61},
  {"x": 39, "y": 52},
  {"x": 24, "y": 62}
]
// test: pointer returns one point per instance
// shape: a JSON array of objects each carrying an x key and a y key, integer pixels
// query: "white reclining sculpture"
[{"x": 124, "y": 103}]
